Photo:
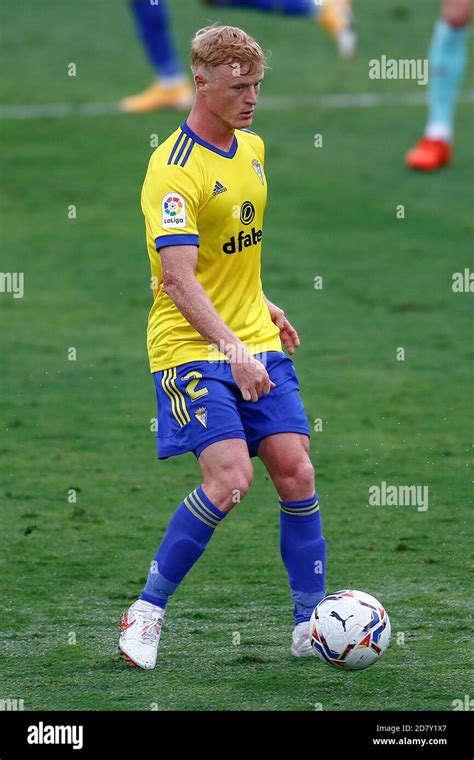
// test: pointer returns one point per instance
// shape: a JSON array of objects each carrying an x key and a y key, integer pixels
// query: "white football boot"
[
  {"x": 301, "y": 645},
  {"x": 140, "y": 631}
]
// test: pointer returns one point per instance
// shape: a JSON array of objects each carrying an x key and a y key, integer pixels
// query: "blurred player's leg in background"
[
  {"x": 334, "y": 16},
  {"x": 171, "y": 86},
  {"x": 447, "y": 63}
]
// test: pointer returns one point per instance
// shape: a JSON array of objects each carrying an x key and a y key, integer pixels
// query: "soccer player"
[
  {"x": 171, "y": 87},
  {"x": 447, "y": 62},
  {"x": 226, "y": 390}
]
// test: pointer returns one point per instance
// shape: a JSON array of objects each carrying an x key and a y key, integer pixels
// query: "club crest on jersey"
[
  {"x": 259, "y": 169},
  {"x": 201, "y": 415},
  {"x": 173, "y": 211}
]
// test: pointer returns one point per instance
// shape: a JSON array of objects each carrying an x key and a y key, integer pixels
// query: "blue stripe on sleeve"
[
  {"x": 188, "y": 153},
  {"x": 175, "y": 146},
  {"x": 181, "y": 150},
  {"x": 166, "y": 240}
]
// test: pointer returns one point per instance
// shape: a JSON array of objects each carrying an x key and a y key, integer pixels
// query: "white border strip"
[{"x": 266, "y": 103}]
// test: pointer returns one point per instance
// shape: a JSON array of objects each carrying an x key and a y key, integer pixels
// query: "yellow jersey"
[{"x": 197, "y": 194}]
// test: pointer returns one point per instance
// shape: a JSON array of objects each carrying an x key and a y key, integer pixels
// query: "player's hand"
[
  {"x": 289, "y": 336},
  {"x": 251, "y": 378}
]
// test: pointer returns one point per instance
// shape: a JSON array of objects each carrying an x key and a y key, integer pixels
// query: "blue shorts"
[{"x": 199, "y": 403}]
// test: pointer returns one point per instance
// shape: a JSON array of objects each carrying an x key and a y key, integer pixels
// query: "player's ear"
[{"x": 200, "y": 82}]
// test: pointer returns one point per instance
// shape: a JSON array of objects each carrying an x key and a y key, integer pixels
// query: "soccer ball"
[{"x": 349, "y": 629}]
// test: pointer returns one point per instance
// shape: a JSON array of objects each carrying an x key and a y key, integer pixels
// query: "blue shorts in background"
[{"x": 199, "y": 404}]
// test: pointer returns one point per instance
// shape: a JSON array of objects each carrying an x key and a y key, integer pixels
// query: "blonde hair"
[{"x": 215, "y": 45}]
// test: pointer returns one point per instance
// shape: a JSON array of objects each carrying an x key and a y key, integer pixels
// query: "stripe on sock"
[
  {"x": 202, "y": 508},
  {"x": 300, "y": 508}
]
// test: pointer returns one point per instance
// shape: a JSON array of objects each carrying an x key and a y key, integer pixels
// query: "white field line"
[{"x": 266, "y": 103}]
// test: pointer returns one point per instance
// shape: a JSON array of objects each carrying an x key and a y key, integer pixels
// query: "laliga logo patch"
[{"x": 173, "y": 211}]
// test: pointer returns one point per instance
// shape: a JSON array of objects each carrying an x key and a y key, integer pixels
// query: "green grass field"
[{"x": 68, "y": 569}]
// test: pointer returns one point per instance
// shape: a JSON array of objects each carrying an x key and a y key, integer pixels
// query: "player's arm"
[
  {"x": 288, "y": 334},
  {"x": 181, "y": 285}
]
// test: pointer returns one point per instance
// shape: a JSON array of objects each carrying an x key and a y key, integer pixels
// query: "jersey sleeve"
[{"x": 170, "y": 204}]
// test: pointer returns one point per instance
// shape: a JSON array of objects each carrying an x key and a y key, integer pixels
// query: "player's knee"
[
  {"x": 238, "y": 479},
  {"x": 299, "y": 472},
  {"x": 305, "y": 473},
  {"x": 230, "y": 483}
]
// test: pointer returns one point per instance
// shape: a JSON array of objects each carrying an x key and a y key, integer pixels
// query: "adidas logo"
[{"x": 218, "y": 189}]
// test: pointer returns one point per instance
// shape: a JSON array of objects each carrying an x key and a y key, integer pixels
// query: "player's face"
[{"x": 232, "y": 94}]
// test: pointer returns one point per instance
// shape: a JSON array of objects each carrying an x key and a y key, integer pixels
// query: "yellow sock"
[{"x": 334, "y": 16}]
